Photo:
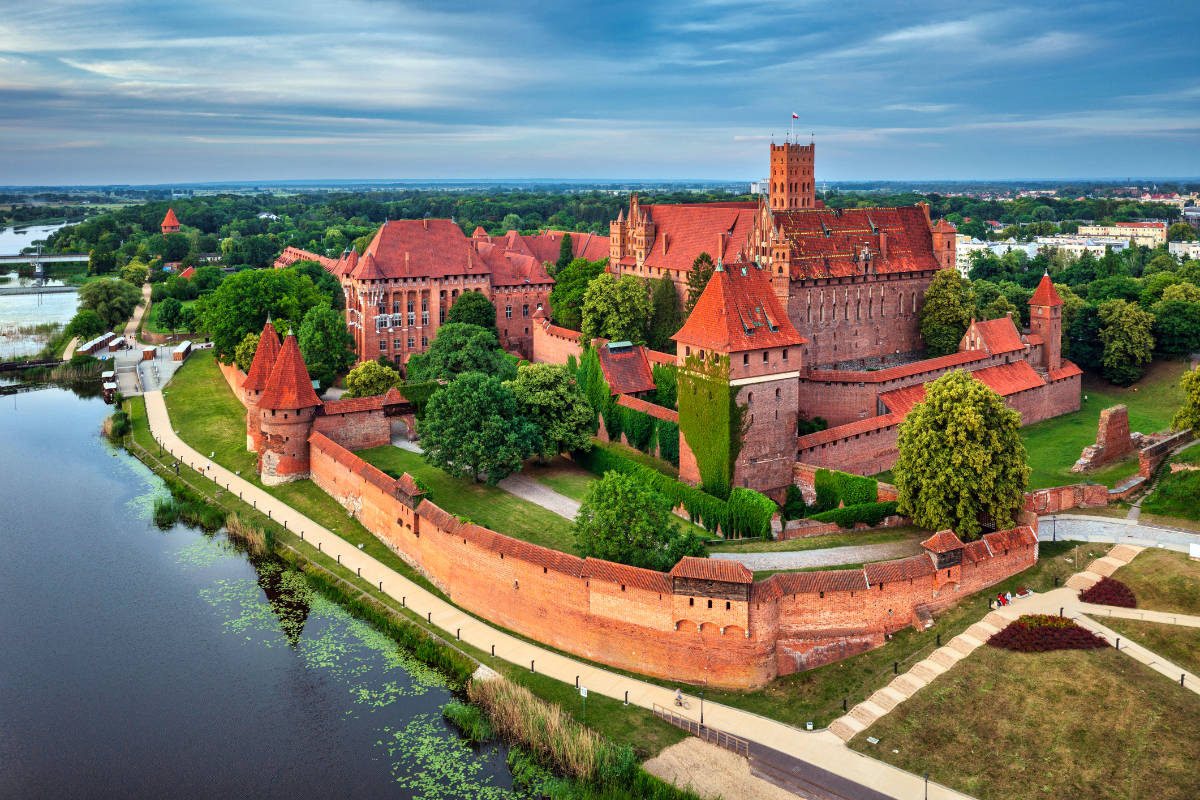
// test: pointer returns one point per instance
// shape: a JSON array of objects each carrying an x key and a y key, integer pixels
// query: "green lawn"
[
  {"x": 1001, "y": 725},
  {"x": 650, "y": 461},
  {"x": 1053, "y": 446},
  {"x": 1163, "y": 580},
  {"x": 1176, "y": 643},
  {"x": 151, "y": 321},
  {"x": 846, "y": 539},
  {"x": 562, "y": 475},
  {"x": 1175, "y": 495},
  {"x": 489, "y": 506}
]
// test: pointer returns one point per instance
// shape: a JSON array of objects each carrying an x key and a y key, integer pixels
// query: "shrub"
[
  {"x": 794, "y": 506},
  {"x": 826, "y": 489},
  {"x": 1109, "y": 592},
  {"x": 469, "y": 720},
  {"x": 668, "y": 441},
  {"x": 855, "y": 490},
  {"x": 1038, "y": 633},
  {"x": 869, "y": 513},
  {"x": 639, "y": 429},
  {"x": 749, "y": 513}
]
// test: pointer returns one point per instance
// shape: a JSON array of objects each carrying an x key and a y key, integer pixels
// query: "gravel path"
[
  {"x": 830, "y": 557},
  {"x": 529, "y": 489}
]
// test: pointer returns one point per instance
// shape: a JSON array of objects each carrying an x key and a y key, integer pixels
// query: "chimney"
[
  {"x": 664, "y": 244},
  {"x": 425, "y": 223},
  {"x": 720, "y": 246},
  {"x": 883, "y": 244}
]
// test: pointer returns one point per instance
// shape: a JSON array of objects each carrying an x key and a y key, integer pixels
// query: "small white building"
[{"x": 1185, "y": 250}]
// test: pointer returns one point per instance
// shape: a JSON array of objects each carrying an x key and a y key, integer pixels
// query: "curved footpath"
[
  {"x": 1114, "y": 530},
  {"x": 821, "y": 748}
]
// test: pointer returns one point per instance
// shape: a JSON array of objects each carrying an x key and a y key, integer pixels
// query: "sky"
[{"x": 258, "y": 90}]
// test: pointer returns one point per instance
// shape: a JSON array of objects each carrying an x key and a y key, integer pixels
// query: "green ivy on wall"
[{"x": 711, "y": 420}]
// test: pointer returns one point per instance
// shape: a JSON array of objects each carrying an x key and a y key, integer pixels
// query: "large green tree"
[
  {"x": 566, "y": 298},
  {"x": 666, "y": 316},
  {"x": 243, "y": 354},
  {"x": 548, "y": 396},
  {"x": 241, "y": 303},
  {"x": 472, "y": 427},
  {"x": 697, "y": 278},
  {"x": 1176, "y": 326},
  {"x": 325, "y": 344},
  {"x": 113, "y": 299},
  {"x": 1188, "y": 415},
  {"x": 616, "y": 309},
  {"x": 946, "y": 313},
  {"x": 961, "y": 458},
  {"x": 458, "y": 348},
  {"x": 370, "y": 378},
  {"x": 473, "y": 309},
  {"x": 1181, "y": 232},
  {"x": 1126, "y": 331},
  {"x": 167, "y": 313},
  {"x": 566, "y": 253},
  {"x": 623, "y": 521}
]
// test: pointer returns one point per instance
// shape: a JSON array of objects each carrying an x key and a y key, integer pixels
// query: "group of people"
[{"x": 1002, "y": 599}]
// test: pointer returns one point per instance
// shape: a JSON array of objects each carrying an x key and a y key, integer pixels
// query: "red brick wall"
[
  {"x": 1150, "y": 457},
  {"x": 516, "y": 331},
  {"x": 357, "y": 430},
  {"x": 234, "y": 377},
  {"x": 545, "y": 595},
  {"x": 552, "y": 348},
  {"x": 803, "y": 528}
]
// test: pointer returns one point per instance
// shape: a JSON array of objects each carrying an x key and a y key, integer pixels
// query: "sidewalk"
[
  {"x": 822, "y": 748},
  {"x": 131, "y": 327}
]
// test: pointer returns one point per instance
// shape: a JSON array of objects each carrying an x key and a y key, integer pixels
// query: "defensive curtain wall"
[{"x": 707, "y": 621}]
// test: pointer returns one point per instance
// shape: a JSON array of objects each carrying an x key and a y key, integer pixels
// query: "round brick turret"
[
  {"x": 286, "y": 411},
  {"x": 256, "y": 382}
]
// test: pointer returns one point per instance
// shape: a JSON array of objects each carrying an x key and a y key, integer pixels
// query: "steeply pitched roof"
[
  {"x": 1045, "y": 295},
  {"x": 905, "y": 569},
  {"x": 824, "y": 242},
  {"x": 738, "y": 311},
  {"x": 712, "y": 569},
  {"x": 289, "y": 387},
  {"x": 265, "y": 354},
  {"x": 510, "y": 267},
  {"x": 993, "y": 336},
  {"x": 682, "y": 232},
  {"x": 625, "y": 367},
  {"x": 942, "y": 542},
  {"x": 414, "y": 248},
  {"x": 170, "y": 220},
  {"x": 1067, "y": 370}
]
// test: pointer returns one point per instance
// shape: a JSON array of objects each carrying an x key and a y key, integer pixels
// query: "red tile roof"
[
  {"x": 905, "y": 569},
  {"x": 836, "y": 580},
  {"x": 712, "y": 569},
  {"x": 658, "y": 412},
  {"x": 868, "y": 425},
  {"x": 626, "y": 369},
  {"x": 546, "y": 245},
  {"x": 1011, "y": 539},
  {"x": 993, "y": 336},
  {"x": 1067, "y": 370},
  {"x": 1003, "y": 379},
  {"x": 899, "y": 371},
  {"x": 510, "y": 267},
  {"x": 738, "y": 311},
  {"x": 1045, "y": 294},
  {"x": 942, "y": 542},
  {"x": 827, "y": 242},
  {"x": 367, "y": 269},
  {"x": 976, "y": 551},
  {"x": 413, "y": 248},
  {"x": 409, "y": 486},
  {"x": 170, "y": 220},
  {"x": 264, "y": 360},
  {"x": 188, "y": 273},
  {"x": 682, "y": 232},
  {"x": 289, "y": 387},
  {"x": 353, "y": 404},
  {"x": 291, "y": 255},
  {"x": 648, "y": 579}
]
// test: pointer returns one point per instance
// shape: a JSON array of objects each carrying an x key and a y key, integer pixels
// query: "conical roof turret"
[
  {"x": 265, "y": 356},
  {"x": 1045, "y": 294},
  {"x": 289, "y": 387}
]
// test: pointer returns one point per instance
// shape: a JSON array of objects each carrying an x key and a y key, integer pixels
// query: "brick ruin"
[{"x": 1113, "y": 440}]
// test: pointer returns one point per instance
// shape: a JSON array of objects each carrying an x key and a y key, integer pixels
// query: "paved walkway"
[
  {"x": 132, "y": 326},
  {"x": 827, "y": 557},
  {"x": 1114, "y": 530},
  {"x": 69, "y": 350},
  {"x": 527, "y": 488},
  {"x": 821, "y": 748}
]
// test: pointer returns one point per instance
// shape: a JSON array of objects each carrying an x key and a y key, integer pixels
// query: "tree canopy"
[
  {"x": 243, "y": 354},
  {"x": 616, "y": 309},
  {"x": 472, "y": 427},
  {"x": 241, "y": 303},
  {"x": 698, "y": 278},
  {"x": 548, "y": 396},
  {"x": 113, "y": 299},
  {"x": 325, "y": 344},
  {"x": 1125, "y": 330},
  {"x": 167, "y": 313},
  {"x": 473, "y": 308},
  {"x": 566, "y": 298},
  {"x": 460, "y": 347},
  {"x": 666, "y": 316},
  {"x": 370, "y": 379},
  {"x": 961, "y": 458},
  {"x": 1188, "y": 415},
  {"x": 623, "y": 521},
  {"x": 566, "y": 253},
  {"x": 946, "y": 313}
]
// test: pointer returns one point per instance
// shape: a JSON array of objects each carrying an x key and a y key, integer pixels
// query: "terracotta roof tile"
[
  {"x": 647, "y": 579},
  {"x": 438, "y": 516},
  {"x": 535, "y": 554},
  {"x": 904, "y": 569},
  {"x": 823, "y": 242},
  {"x": 368, "y": 269},
  {"x": 170, "y": 220},
  {"x": 352, "y": 404},
  {"x": 1045, "y": 294},
  {"x": 289, "y": 386},
  {"x": 626, "y": 368},
  {"x": 1011, "y": 539},
  {"x": 656, "y": 411},
  {"x": 712, "y": 569},
  {"x": 898, "y": 371},
  {"x": 869, "y": 425},
  {"x": 976, "y": 551},
  {"x": 188, "y": 273},
  {"x": 942, "y": 542},
  {"x": 834, "y": 580},
  {"x": 409, "y": 486},
  {"x": 264, "y": 360},
  {"x": 993, "y": 336},
  {"x": 738, "y": 311},
  {"x": 1003, "y": 379},
  {"x": 691, "y": 229},
  {"x": 1067, "y": 370}
]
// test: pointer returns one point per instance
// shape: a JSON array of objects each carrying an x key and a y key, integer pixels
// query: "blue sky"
[{"x": 290, "y": 89}]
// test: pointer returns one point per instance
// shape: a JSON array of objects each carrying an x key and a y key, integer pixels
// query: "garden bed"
[
  {"x": 1040, "y": 633},
  {"x": 1109, "y": 592}
]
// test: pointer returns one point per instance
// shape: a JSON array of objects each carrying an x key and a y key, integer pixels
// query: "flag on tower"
[{"x": 795, "y": 115}]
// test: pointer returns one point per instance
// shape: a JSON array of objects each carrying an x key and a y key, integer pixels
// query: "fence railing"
[{"x": 730, "y": 742}]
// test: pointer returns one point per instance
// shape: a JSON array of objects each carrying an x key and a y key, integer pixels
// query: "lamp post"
[
  {"x": 926, "y": 786},
  {"x": 701, "y": 708}
]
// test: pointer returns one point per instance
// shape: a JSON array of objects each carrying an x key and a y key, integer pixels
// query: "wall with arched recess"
[{"x": 650, "y": 622}]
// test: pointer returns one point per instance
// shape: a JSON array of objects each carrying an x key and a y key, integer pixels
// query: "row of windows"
[
  {"x": 692, "y": 600},
  {"x": 396, "y": 343}
]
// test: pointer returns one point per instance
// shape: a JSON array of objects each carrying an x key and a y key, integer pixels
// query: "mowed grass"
[
  {"x": 151, "y": 321},
  {"x": 562, "y": 475},
  {"x": 1176, "y": 643},
  {"x": 489, "y": 506},
  {"x": 665, "y": 467},
  {"x": 1163, "y": 580},
  {"x": 847, "y": 539},
  {"x": 1175, "y": 495},
  {"x": 816, "y": 695},
  {"x": 1001, "y": 725},
  {"x": 1053, "y": 446}
]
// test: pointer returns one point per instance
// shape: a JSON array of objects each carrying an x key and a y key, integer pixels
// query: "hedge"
[
  {"x": 668, "y": 441},
  {"x": 747, "y": 513},
  {"x": 870, "y": 513},
  {"x": 833, "y": 487}
]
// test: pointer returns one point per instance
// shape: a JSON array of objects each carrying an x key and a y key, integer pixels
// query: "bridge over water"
[{"x": 43, "y": 258}]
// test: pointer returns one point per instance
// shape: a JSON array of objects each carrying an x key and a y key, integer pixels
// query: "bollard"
[
  {"x": 576, "y": 681},
  {"x": 302, "y": 536},
  {"x": 626, "y": 697},
  {"x": 318, "y": 547},
  {"x": 1118, "y": 644},
  {"x": 458, "y": 634},
  {"x": 1181, "y": 677},
  {"x": 1060, "y": 610},
  {"x": 939, "y": 640},
  {"x": 381, "y": 586},
  {"x": 493, "y": 651},
  {"x": 1056, "y": 581},
  {"x": 531, "y": 669},
  {"x": 360, "y": 572},
  {"x": 429, "y": 617},
  {"x": 895, "y": 667},
  {"x": 339, "y": 558},
  {"x": 268, "y": 513},
  {"x": 844, "y": 704},
  {"x": 403, "y": 604}
]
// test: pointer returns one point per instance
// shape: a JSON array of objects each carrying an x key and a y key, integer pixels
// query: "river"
[
  {"x": 140, "y": 662},
  {"x": 20, "y": 311}
]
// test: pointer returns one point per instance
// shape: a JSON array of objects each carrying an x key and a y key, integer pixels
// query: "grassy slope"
[
  {"x": 642, "y": 458},
  {"x": 1002, "y": 725},
  {"x": 1163, "y": 580},
  {"x": 1175, "y": 495},
  {"x": 1175, "y": 643},
  {"x": 562, "y": 475},
  {"x": 485, "y": 505},
  {"x": 1054, "y": 445},
  {"x": 843, "y": 539}
]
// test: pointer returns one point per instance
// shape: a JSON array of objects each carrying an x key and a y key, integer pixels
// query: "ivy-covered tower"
[
  {"x": 286, "y": 412},
  {"x": 739, "y": 361},
  {"x": 256, "y": 382}
]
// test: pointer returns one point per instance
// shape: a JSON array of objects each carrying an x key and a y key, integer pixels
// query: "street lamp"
[
  {"x": 926, "y": 786},
  {"x": 701, "y": 708}
]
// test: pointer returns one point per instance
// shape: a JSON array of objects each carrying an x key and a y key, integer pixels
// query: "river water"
[
  {"x": 18, "y": 311},
  {"x": 139, "y": 662}
]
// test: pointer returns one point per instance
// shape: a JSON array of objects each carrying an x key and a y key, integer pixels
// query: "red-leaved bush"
[
  {"x": 1037, "y": 633},
  {"x": 1108, "y": 592}
]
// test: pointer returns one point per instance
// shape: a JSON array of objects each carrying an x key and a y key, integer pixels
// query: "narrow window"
[
  {"x": 691, "y": 601},
  {"x": 710, "y": 603}
]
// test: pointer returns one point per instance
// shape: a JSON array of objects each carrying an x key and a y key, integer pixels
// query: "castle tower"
[
  {"x": 170, "y": 223},
  {"x": 1045, "y": 319},
  {"x": 945, "y": 240},
  {"x": 286, "y": 411},
  {"x": 792, "y": 176},
  {"x": 256, "y": 382}
]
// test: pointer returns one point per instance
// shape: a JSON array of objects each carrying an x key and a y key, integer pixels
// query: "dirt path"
[
  {"x": 131, "y": 327},
  {"x": 711, "y": 772}
]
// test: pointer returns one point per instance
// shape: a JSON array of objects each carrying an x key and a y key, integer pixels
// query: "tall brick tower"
[
  {"x": 257, "y": 380},
  {"x": 286, "y": 411},
  {"x": 170, "y": 223},
  {"x": 1045, "y": 319},
  {"x": 792, "y": 182}
]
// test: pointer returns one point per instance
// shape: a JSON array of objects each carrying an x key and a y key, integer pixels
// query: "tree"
[
  {"x": 623, "y": 521},
  {"x": 511, "y": 222},
  {"x": 566, "y": 298},
  {"x": 1125, "y": 330},
  {"x": 325, "y": 344},
  {"x": 1163, "y": 262},
  {"x": 697, "y": 278},
  {"x": 241, "y": 303},
  {"x": 473, "y": 309},
  {"x": 472, "y": 427},
  {"x": 1114, "y": 288},
  {"x": 114, "y": 300},
  {"x": 457, "y": 348},
  {"x": 1188, "y": 415},
  {"x": 666, "y": 317},
  {"x": 369, "y": 379},
  {"x": 1177, "y": 325},
  {"x": 86, "y": 324},
  {"x": 167, "y": 313},
  {"x": 135, "y": 272},
  {"x": 566, "y": 253},
  {"x": 998, "y": 307},
  {"x": 187, "y": 319},
  {"x": 1154, "y": 286},
  {"x": 1181, "y": 232},
  {"x": 243, "y": 354},
  {"x": 548, "y": 396},
  {"x": 1188, "y": 292},
  {"x": 616, "y": 309},
  {"x": 946, "y": 313},
  {"x": 961, "y": 458},
  {"x": 101, "y": 260}
]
